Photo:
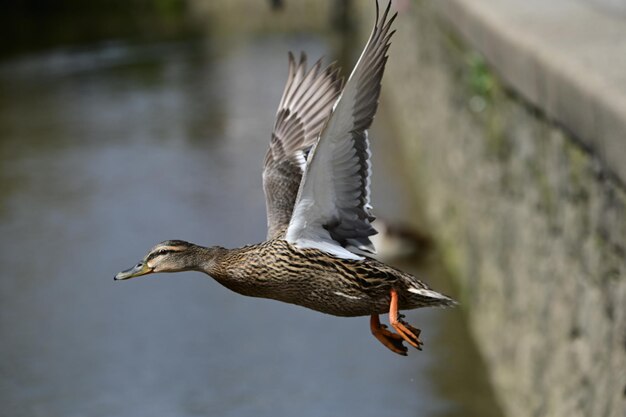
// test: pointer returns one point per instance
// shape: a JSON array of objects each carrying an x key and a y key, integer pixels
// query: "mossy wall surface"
[{"x": 531, "y": 224}]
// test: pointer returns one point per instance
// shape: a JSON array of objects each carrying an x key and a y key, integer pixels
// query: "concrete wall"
[{"x": 530, "y": 220}]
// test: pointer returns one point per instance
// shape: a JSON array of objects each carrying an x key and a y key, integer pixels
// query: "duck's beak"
[{"x": 136, "y": 271}]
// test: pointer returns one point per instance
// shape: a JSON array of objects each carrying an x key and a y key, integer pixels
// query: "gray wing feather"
[
  {"x": 333, "y": 208},
  {"x": 304, "y": 108}
]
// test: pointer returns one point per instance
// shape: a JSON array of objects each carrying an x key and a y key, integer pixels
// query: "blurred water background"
[{"x": 123, "y": 128}]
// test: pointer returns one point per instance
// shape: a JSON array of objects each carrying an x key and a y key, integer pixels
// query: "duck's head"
[{"x": 168, "y": 256}]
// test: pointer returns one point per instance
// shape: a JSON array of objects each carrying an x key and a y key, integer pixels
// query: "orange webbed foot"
[
  {"x": 392, "y": 341},
  {"x": 407, "y": 332}
]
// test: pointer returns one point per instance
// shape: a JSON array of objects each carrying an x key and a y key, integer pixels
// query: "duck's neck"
[
  {"x": 231, "y": 267},
  {"x": 209, "y": 260}
]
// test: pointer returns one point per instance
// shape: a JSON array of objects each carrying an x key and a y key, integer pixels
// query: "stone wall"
[{"x": 531, "y": 224}]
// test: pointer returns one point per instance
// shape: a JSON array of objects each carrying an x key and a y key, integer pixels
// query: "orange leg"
[{"x": 405, "y": 330}]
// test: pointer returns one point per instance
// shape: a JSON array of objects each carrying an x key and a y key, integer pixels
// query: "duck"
[{"x": 316, "y": 179}]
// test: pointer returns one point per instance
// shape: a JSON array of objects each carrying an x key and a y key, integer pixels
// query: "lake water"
[{"x": 109, "y": 149}]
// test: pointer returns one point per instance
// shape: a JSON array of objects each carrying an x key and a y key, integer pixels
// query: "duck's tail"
[
  {"x": 428, "y": 297},
  {"x": 420, "y": 295}
]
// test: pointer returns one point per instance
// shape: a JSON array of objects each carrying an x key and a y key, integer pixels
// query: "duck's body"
[
  {"x": 316, "y": 179},
  {"x": 314, "y": 279}
]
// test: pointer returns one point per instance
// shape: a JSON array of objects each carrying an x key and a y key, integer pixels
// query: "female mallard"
[{"x": 316, "y": 179}]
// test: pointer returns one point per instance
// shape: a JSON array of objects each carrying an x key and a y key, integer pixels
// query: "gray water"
[{"x": 107, "y": 150}]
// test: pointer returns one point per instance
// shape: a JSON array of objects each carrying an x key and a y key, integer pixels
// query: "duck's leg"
[
  {"x": 391, "y": 340},
  {"x": 404, "y": 329}
]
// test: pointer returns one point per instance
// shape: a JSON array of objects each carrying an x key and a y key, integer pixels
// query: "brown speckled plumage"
[{"x": 311, "y": 278}]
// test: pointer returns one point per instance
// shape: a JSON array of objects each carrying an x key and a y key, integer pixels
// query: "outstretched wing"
[
  {"x": 303, "y": 110},
  {"x": 332, "y": 210}
]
